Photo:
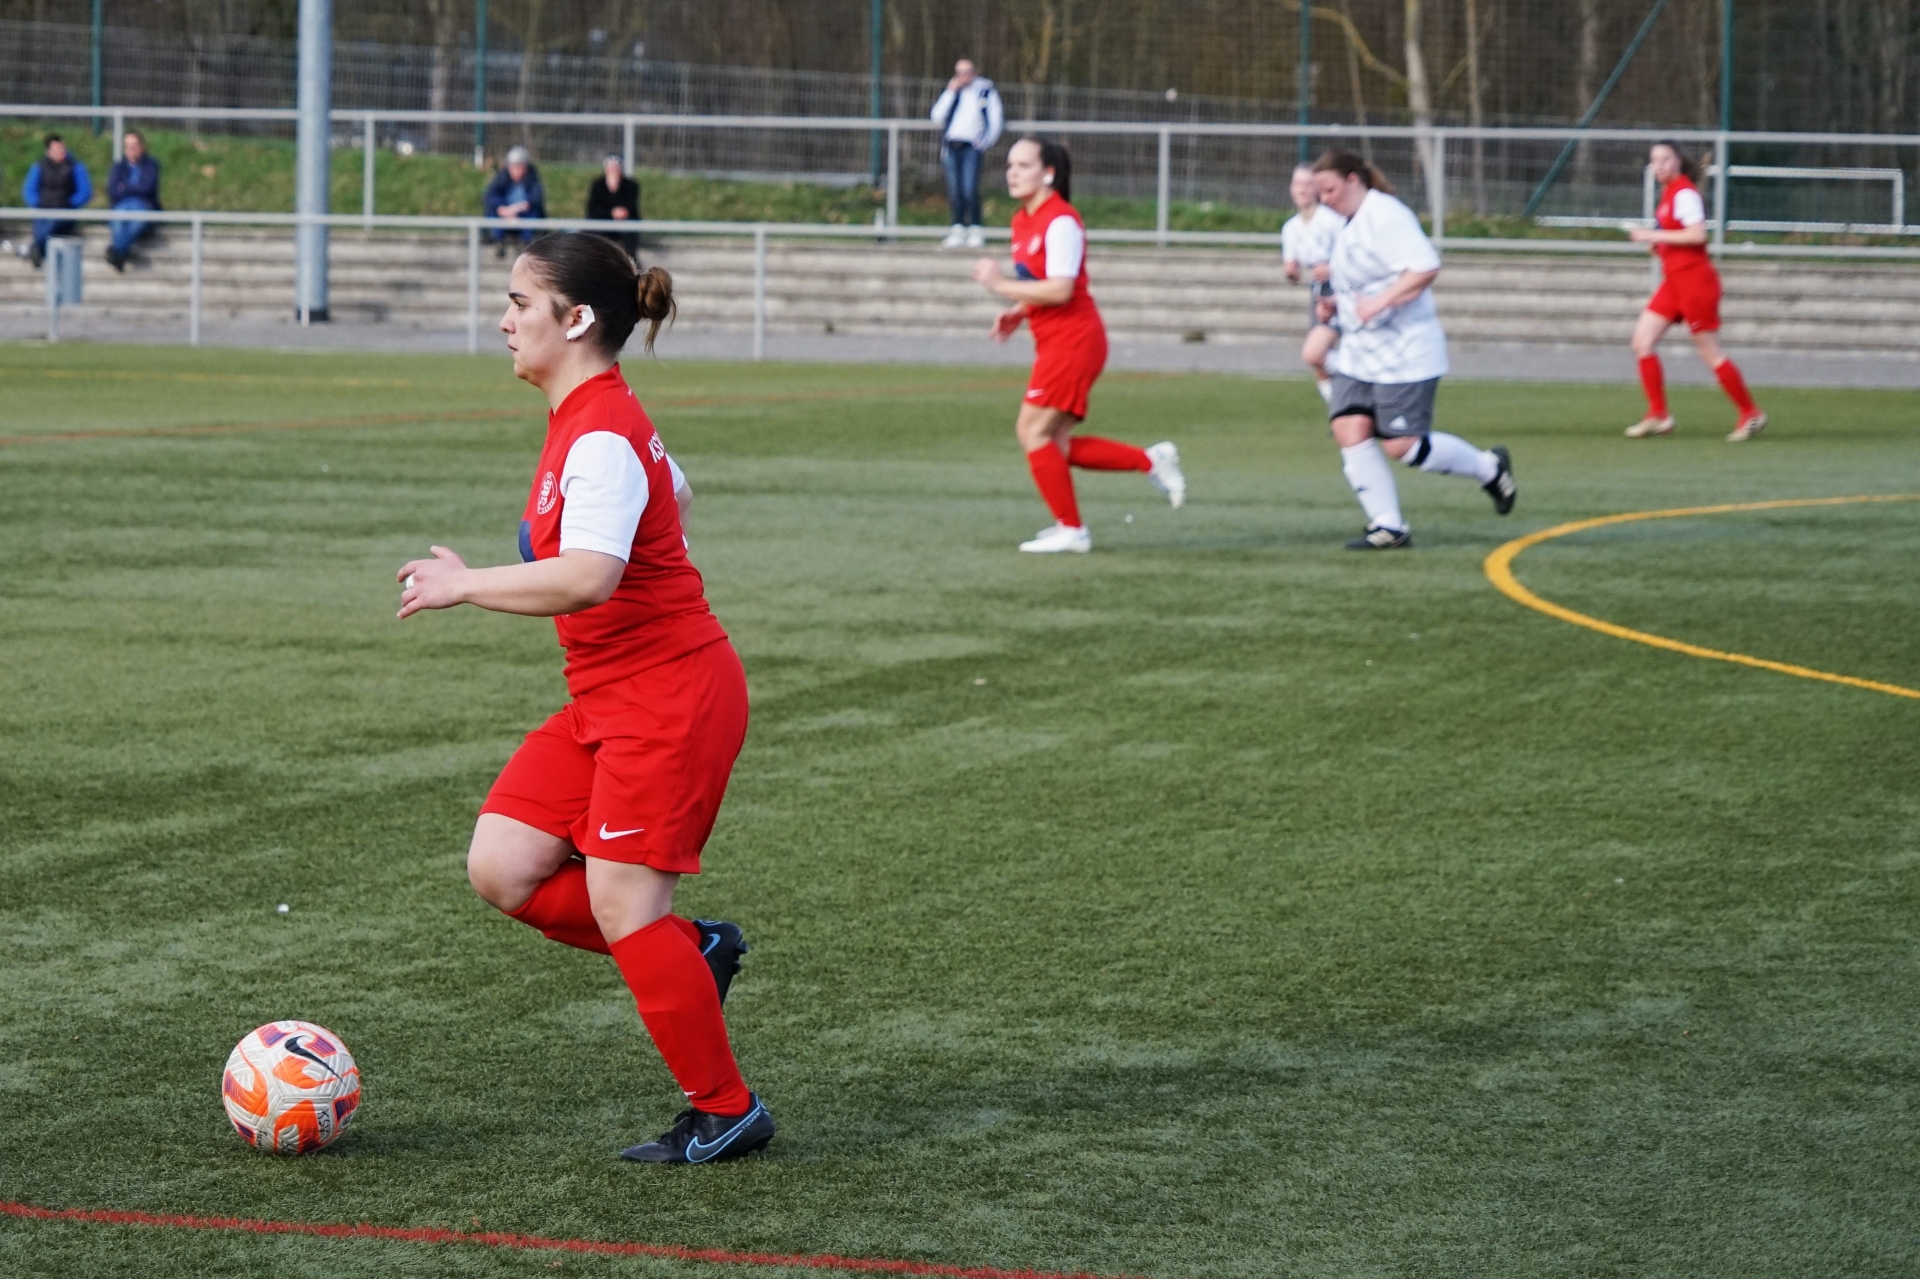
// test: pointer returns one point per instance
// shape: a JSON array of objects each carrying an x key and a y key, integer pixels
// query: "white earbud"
[
  {"x": 586, "y": 322},
  {"x": 1047, "y": 179}
]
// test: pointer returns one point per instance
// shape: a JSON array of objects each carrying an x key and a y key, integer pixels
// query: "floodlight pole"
[
  {"x": 874, "y": 27},
  {"x": 99, "y": 36},
  {"x": 1306, "y": 75},
  {"x": 479, "y": 80},
  {"x": 312, "y": 164}
]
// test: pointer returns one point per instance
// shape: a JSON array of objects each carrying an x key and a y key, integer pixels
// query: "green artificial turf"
[{"x": 1218, "y": 904}]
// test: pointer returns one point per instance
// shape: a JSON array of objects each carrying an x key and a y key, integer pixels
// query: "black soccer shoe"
[
  {"x": 700, "y": 1138},
  {"x": 721, "y": 945},
  {"x": 1378, "y": 537},
  {"x": 1502, "y": 488}
]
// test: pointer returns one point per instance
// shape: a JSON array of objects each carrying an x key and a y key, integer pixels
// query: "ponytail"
[
  {"x": 1349, "y": 165},
  {"x": 586, "y": 269},
  {"x": 654, "y": 292}
]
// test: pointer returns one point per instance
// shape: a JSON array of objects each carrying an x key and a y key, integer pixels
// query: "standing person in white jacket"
[
  {"x": 1306, "y": 245},
  {"x": 1392, "y": 354},
  {"x": 970, "y": 117}
]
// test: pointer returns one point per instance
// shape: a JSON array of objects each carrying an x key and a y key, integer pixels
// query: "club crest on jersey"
[
  {"x": 1033, "y": 245},
  {"x": 548, "y": 491}
]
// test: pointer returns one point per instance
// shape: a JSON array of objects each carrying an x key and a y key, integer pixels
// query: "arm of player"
[
  {"x": 682, "y": 491},
  {"x": 1409, "y": 286},
  {"x": 567, "y": 583},
  {"x": 1691, "y": 213},
  {"x": 986, "y": 273}
]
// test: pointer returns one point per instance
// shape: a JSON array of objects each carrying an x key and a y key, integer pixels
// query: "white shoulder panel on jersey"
[
  {"x": 606, "y": 492},
  {"x": 679, "y": 476},
  {"x": 1066, "y": 249},
  {"x": 1688, "y": 208}
]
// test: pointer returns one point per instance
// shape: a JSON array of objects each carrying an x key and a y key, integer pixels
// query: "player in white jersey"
[
  {"x": 1392, "y": 353},
  {"x": 1306, "y": 242}
]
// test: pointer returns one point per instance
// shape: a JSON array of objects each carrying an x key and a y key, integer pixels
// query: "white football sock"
[
  {"x": 1366, "y": 469},
  {"x": 1445, "y": 454}
]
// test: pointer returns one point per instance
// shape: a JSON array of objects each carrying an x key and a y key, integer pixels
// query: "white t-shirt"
[
  {"x": 1382, "y": 241},
  {"x": 606, "y": 491},
  {"x": 1308, "y": 241}
]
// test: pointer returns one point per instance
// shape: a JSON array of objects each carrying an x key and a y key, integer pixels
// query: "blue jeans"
[
  {"x": 962, "y": 163},
  {"x": 128, "y": 234},
  {"x": 45, "y": 229},
  {"x": 497, "y": 234}
]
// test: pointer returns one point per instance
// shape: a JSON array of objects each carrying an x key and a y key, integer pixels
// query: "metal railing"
[
  {"x": 761, "y": 233},
  {"x": 1434, "y": 148}
]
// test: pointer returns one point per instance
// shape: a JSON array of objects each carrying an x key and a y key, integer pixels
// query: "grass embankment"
[
  {"x": 255, "y": 175},
  {"x": 1221, "y": 903}
]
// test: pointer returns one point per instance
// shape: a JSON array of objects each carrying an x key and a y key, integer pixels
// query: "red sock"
[
  {"x": 1735, "y": 386},
  {"x": 673, "y": 989},
  {"x": 1055, "y": 482},
  {"x": 560, "y": 909},
  {"x": 1655, "y": 382},
  {"x": 1091, "y": 453}
]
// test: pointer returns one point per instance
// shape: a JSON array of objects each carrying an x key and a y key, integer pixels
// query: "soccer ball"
[{"x": 290, "y": 1087}]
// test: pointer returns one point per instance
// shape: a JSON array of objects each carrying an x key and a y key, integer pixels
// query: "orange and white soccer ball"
[{"x": 290, "y": 1087}]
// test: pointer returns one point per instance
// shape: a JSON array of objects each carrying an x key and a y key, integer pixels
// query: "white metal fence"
[{"x": 1828, "y": 185}]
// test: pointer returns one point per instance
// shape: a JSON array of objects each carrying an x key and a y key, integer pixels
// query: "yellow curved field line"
[{"x": 1499, "y": 569}]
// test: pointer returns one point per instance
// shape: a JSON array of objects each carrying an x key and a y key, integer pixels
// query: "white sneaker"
[
  {"x": 1166, "y": 472},
  {"x": 955, "y": 237},
  {"x": 1061, "y": 537},
  {"x": 1750, "y": 426},
  {"x": 1325, "y": 387},
  {"x": 976, "y": 238},
  {"x": 1649, "y": 426}
]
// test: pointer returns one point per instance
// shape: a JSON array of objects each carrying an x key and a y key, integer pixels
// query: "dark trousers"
[
  {"x": 962, "y": 163},
  {"x": 45, "y": 229}
]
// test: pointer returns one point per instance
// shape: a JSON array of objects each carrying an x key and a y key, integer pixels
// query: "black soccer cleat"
[
  {"x": 1378, "y": 537},
  {"x": 700, "y": 1138},
  {"x": 721, "y": 945},
  {"x": 1502, "y": 488}
]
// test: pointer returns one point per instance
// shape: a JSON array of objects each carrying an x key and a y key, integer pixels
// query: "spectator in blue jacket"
[
  {"x": 514, "y": 193},
  {"x": 133, "y": 183},
  {"x": 57, "y": 180}
]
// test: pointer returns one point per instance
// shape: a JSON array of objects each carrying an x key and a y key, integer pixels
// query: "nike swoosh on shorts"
[{"x": 617, "y": 834}]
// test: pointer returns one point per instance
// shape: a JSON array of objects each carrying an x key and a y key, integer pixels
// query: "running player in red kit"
[
  {"x": 1689, "y": 291},
  {"x": 603, "y": 807},
  {"x": 1050, "y": 293}
]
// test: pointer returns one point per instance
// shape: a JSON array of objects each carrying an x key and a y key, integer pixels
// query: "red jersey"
[
  {"x": 1077, "y": 317},
  {"x": 1681, "y": 257},
  {"x": 659, "y": 611}
]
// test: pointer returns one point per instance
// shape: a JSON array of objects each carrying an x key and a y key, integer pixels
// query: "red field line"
[{"x": 527, "y": 1243}]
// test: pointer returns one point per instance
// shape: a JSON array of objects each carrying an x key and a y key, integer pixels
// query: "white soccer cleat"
[
  {"x": 1166, "y": 472},
  {"x": 1750, "y": 426},
  {"x": 976, "y": 238},
  {"x": 1650, "y": 425},
  {"x": 1061, "y": 537},
  {"x": 955, "y": 237}
]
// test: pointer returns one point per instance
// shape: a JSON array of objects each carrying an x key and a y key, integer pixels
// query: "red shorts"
[
  {"x": 1693, "y": 296},
  {"x": 634, "y": 771},
  {"x": 1065, "y": 369}
]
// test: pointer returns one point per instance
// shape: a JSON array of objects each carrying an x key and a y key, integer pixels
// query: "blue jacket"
[
  {"x": 502, "y": 183},
  {"x": 130, "y": 181},
  {"x": 82, "y": 187}
]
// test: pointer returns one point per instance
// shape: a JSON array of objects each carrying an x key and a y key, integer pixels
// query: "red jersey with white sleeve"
[
  {"x": 1680, "y": 207},
  {"x": 1052, "y": 245},
  {"x": 605, "y": 483}
]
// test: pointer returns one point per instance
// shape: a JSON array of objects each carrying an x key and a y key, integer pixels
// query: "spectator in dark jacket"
[
  {"x": 133, "y": 183},
  {"x": 616, "y": 198},
  {"x": 514, "y": 193},
  {"x": 57, "y": 180}
]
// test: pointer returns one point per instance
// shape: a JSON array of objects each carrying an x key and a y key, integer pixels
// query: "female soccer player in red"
[
  {"x": 608, "y": 803},
  {"x": 1690, "y": 291},
  {"x": 1050, "y": 293}
]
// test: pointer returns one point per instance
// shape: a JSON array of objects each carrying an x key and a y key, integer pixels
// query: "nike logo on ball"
[{"x": 616, "y": 834}]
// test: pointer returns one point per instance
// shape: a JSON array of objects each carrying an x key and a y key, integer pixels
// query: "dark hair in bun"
[{"x": 584, "y": 269}]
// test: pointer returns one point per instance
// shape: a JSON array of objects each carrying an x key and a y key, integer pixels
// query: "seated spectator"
[
  {"x": 514, "y": 193},
  {"x": 617, "y": 199},
  {"x": 57, "y": 180},
  {"x": 133, "y": 183}
]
